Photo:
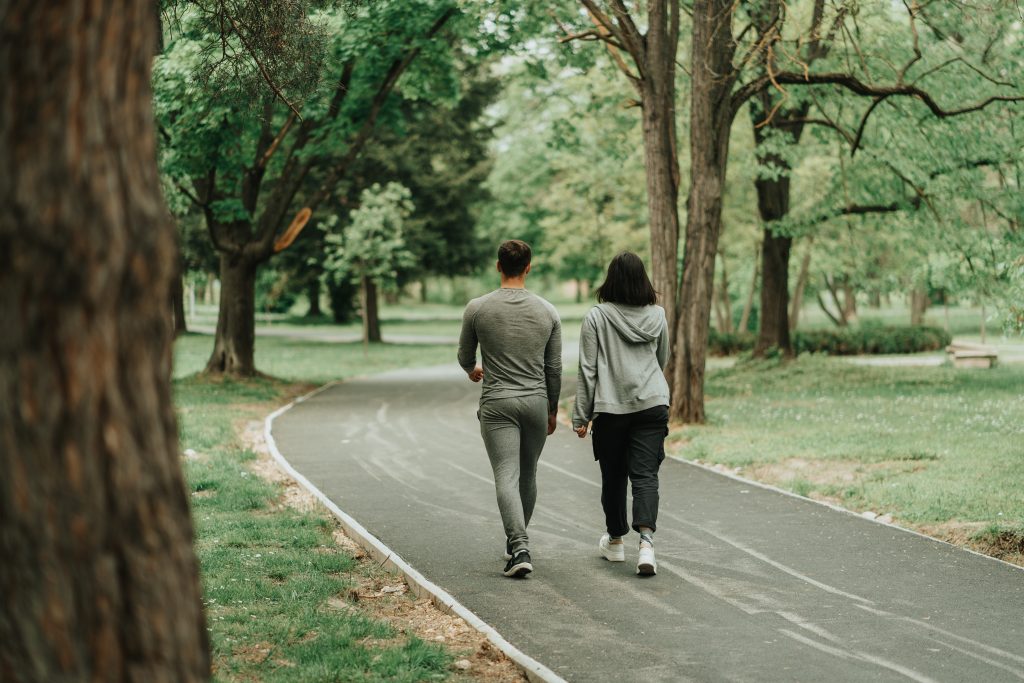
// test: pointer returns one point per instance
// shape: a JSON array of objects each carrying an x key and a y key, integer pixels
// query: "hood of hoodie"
[{"x": 636, "y": 324}]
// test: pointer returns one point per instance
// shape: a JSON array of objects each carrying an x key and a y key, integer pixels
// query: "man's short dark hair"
[
  {"x": 513, "y": 257},
  {"x": 627, "y": 282}
]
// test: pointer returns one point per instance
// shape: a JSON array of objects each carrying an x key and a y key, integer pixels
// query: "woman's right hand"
[{"x": 581, "y": 432}]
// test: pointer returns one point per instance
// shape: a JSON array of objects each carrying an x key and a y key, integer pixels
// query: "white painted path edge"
[{"x": 419, "y": 584}]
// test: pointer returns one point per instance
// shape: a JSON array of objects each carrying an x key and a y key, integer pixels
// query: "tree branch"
[
  {"x": 858, "y": 87},
  {"x": 263, "y": 70}
]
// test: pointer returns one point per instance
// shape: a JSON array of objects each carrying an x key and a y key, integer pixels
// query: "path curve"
[{"x": 753, "y": 584}]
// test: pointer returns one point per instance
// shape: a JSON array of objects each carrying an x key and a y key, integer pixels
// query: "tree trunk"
[
  {"x": 423, "y": 290},
  {"x": 726, "y": 301},
  {"x": 773, "y": 330},
  {"x": 849, "y": 303},
  {"x": 918, "y": 306},
  {"x": 98, "y": 578},
  {"x": 178, "y": 306},
  {"x": 748, "y": 305},
  {"x": 234, "y": 343},
  {"x": 313, "y": 292},
  {"x": 801, "y": 286},
  {"x": 711, "y": 116},
  {"x": 209, "y": 295},
  {"x": 371, "y": 317},
  {"x": 579, "y": 291},
  {"x": 719, "y": 313},
  {"x": 662, "y": 174}
]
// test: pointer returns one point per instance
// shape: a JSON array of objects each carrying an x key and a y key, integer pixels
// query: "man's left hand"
[{"x": 552, "y": 420}]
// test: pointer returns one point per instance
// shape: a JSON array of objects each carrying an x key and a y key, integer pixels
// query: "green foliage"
[
  {"x": 274, "y": 579},
  {"x": 870, "y": 339},
  {"x": 849, "y": 341},
  {"x": 372, "y": 245}
]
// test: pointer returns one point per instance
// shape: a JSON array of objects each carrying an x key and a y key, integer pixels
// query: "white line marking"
[
  {"x": 991, "y": 662},
  {"x": 533, "y": 669},
  {"x": 931, "y": 627},
  {"x": 460, "y": 468},
  {"x": 735, "y": 544},
  {"x": 567, "y": 473}
]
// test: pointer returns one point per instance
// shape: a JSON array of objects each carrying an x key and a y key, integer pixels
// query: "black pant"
[{"x": 630, "y": 446}]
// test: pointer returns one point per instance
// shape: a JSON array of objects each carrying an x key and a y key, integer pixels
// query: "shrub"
[
  {"x": 851, "y": 341},
  {"x": 729, "y": 343},
  {"x": 871, "y": 340}
]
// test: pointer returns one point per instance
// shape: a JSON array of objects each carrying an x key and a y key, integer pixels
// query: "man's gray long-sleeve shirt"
[{"x": 520, "y": 340}]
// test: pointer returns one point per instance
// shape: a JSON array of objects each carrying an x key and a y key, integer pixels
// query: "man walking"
[{"x": 520, "y": 339}]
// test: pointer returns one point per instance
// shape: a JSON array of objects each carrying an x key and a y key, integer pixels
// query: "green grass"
[
  {"x": 314, "y": 361},
  {"x": 928, "y": 445},
  {"x": 275, "y": 583}
]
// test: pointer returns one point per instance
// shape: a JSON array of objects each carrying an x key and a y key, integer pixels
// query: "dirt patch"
[
  {"x": 256, "y": 653},
  {"x": 825, "y": 472},
  {"x": 1005, "y": 544},
  {"x": 382, "y": 595}
]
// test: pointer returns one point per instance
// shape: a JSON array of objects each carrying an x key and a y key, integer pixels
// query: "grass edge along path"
[
  {"x": 288, "y": 596},
  {"x": 934, "y": 450}
]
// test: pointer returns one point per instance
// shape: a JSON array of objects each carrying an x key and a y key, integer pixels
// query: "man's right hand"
[{"x": 477, "y": 374}]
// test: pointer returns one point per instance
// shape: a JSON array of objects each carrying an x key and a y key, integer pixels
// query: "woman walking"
[{"x": 622, "y": 395}]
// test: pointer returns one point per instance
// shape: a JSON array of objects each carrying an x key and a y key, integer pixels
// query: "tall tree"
[
  {"x": 718, "y": 94},
  {"x": 98, "y": 578},
  {"x": 246, "y": 168},
  {"x": 652, "y": 75}
]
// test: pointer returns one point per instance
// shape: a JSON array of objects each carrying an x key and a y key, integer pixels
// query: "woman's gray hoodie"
[{"x": 623, "y": 350}]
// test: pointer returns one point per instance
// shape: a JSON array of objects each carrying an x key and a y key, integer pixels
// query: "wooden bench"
[{"x": 972, "y": 355}]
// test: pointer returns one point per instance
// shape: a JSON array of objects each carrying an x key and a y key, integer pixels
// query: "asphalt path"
[{"x": 752, "y": 584}]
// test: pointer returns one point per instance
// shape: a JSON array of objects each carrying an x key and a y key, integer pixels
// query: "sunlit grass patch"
[
  {"x": 271, "y": 573},
  {"x": 928, "y": 445}
]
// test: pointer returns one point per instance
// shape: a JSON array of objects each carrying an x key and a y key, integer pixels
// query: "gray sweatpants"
[{"x": 514, "y": 431}]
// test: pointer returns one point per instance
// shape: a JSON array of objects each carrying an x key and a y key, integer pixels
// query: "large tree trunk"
[
  {"x": 711, "y": 116},
  {"x": 371, "y": 315},
  {"x": 234, "y": 343},
  {"x": 773, "y": 330},
  {"x": 98, "y": 578},
  {"x": 662, "y": 173}
]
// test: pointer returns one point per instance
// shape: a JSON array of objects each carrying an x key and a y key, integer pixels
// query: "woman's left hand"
[{"x": 581, "y": 432}]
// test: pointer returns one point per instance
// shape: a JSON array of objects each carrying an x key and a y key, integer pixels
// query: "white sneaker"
[
  {"x": 646, "y": 565},
  {"x": 613, "y": 552}
]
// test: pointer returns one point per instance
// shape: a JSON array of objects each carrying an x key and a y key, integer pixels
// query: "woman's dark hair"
[
  {"x": 627, "y": 282},
  {"x": 513, "y": 257}
]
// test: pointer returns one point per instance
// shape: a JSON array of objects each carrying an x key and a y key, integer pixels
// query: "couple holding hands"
[{"x": 622, "y": 397}]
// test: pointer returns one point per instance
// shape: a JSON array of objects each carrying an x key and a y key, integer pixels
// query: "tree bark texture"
[
  {"x": 371, "y": 311},
  {"x": 662, "y": 173},
  {"x": 711, "y": 116},
  {"x": 234, "y": 343},
  {"x": 98, "y": 578}
]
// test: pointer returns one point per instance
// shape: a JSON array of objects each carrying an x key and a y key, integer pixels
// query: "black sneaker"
[
  {"x": 508, "y": 551},
  {"x": 519, "y": 566}
]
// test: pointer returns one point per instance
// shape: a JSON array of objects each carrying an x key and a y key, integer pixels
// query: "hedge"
[{"x": 851, "y": 341}]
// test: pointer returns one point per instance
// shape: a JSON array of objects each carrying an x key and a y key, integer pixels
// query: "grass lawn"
[
  {"x": 940, "y": 449},
  {"x": 284, "y": 601}
]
